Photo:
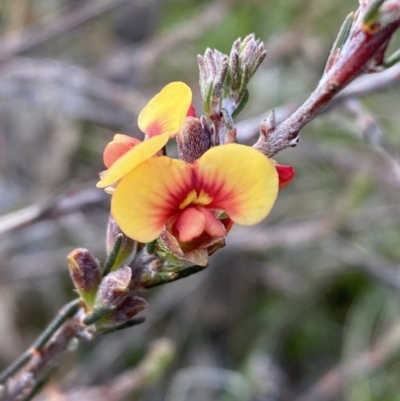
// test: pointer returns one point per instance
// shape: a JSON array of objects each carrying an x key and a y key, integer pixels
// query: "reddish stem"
[{"x": 356, "y": 57}]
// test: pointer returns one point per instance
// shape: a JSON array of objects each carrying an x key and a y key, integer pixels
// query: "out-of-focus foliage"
[{"x": 314, "y": 286}]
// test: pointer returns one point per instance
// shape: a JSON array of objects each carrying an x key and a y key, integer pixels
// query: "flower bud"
[
  {"x": 131, "y": 306},
  {"x": 224, "y": 80},
  {"x": 86, "y": 274},
  {"x": 114, "y": 288},
  {"x": 213, "y": 68},
  {"x": 194, "y": 139}
]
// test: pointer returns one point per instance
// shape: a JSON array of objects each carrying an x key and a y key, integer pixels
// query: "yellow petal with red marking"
[
  {"x": 131, "y": 159},
  {"x": 166, "y": 111},
  {"x": 118, "y": 147},
  {"x": 147, "y": 197},
  {"x": 240, "y": 180}
]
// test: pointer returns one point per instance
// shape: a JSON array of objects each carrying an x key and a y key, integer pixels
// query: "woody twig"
[{"x": 359, "y": 49}]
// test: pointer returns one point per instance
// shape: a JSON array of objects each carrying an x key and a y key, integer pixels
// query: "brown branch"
[
  {"x": 19, "y": 42},
  {"x": 131, "y": 381},
  {"x": 54, "y": 208},
  {"x": 363, "y": 86},
  {"x": 43, "y": 361},
  {"x": 367, "y": 84}
]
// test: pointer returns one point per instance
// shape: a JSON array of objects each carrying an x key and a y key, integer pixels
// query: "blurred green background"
[{"x": 310, "y": 291}]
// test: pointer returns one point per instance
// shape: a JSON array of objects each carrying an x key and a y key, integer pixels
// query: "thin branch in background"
[
  {"x": 350, "y": 162},
  {"x": 103, "y": 103},
  {"x": 290, "y": 235},
  {"x": 147, "y": 373},
  {"x": 317, "y": 230},
  {"x": 372, "y": 133},
  {"x": 368, "y": 262},
  {"x": 365, "y": 124},
  {"x": 18, "y": 42},
  {"x": 330, "y": 385},
  {"x": 208, "y": 377},
  {"x": 63, "y": 315},
  {"x": 52, "y": 209},
  {"x": 45, "y": 71},
  {"x": 144, "y": 57},
  {"x": 73, "y": 90}
]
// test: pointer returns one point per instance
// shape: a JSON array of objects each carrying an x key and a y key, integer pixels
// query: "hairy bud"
[
  {"x": 114, "y": 288},
  {"x": 86, "y": 274},
  {"x": 194, "y": 139}
]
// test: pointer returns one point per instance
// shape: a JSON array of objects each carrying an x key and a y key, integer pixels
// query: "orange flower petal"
[
  {"x": 241, "y": 181},
  {"x": 166, "y": 111},
  {"x": 117, "y": 147},
  {"x": 147, "y": 197},
  {"x": 131, "y": 159},
  {"x": 190, "y": 224}
]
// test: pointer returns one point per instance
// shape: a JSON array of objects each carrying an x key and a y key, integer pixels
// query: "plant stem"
[
  {"x": 63, "y": 315},
  {"x": 182, "y": 274},
  {"x": 112, "y": 257}
]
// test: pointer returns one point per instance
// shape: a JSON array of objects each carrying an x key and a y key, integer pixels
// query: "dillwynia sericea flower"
[{"x": 152, "y": 194}]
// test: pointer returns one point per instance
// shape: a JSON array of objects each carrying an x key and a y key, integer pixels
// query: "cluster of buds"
[
  {"x": 223, "y": 83},
  {"x": 106, "y": 297}
]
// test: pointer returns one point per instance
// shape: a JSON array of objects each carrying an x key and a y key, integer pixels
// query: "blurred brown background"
[{"x": 312, "y": 290}]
